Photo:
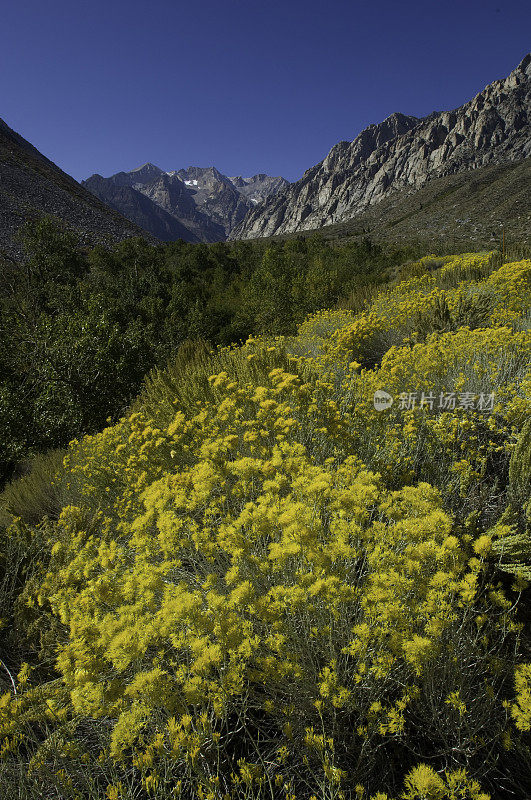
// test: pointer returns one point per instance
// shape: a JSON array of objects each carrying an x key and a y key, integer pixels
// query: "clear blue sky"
[{"x": 246, "y": 85}]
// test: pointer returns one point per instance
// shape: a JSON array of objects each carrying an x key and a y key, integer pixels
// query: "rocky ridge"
[{"x": 402, "y": 153}]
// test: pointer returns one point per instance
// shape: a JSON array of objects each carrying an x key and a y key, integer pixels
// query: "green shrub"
[
  {"x": 37, "y": 494},
  {"x": 23, "y": 555},
  {"x": 520, "y": 466},
  {"x": 471, "y": 309}
]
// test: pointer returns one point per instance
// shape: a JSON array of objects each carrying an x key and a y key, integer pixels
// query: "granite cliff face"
[
  {"x": 31, "y": 186},
  {"x": 402, "y": 153},
  {"x": 204, "y": 204}
]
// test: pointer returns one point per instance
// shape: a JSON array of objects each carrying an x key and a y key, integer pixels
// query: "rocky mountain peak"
[
  {"x": 259, "y": 187},
  {"x": 204, "y": 202},
  {"x": 522, "y": 72},
  {"x": 146, "y": 172}
]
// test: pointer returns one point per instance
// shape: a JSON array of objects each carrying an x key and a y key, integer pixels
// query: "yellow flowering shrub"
[
  {"x": 431, "y": 302},
  {"x": 521, "y": 709},
  {"x": 423, "y": 783},
  {"x": 428, "y": 433},
  {"x": 261, "y": 586},
  {"x": 321, "y": 325},
  {"x": 512, "y": 286},
  {"x": 238, "y": 562}
]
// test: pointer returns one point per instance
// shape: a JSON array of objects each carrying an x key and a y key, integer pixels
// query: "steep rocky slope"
[
  {"x": 403, "y": 153},
  {"x": 31, "y": 185},
  {"x": 205, "y": 204}
]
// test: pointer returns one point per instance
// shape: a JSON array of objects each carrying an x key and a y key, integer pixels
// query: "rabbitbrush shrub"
[
  {"x": 260, "y": 586},
  {"x": 231, "y": 595}
]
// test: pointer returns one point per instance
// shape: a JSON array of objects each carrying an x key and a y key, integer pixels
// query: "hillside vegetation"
[
  {"x": 254, "y": 584},
  {"x": 81, "y": 328}
]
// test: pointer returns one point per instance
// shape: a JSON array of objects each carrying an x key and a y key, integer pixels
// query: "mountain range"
[
  {"x": 194, "y": 204},
  {"x": 463, "y": 175},
  {"x": 399, "y": 156}
]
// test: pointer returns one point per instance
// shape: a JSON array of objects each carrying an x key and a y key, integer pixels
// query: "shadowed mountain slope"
[{"x": 31, "y": 185}]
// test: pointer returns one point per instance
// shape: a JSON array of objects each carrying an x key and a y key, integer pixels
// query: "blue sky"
[{"x": 246, "y": 85}]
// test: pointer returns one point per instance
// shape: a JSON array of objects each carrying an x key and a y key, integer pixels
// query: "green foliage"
[
  {"x": 514, "y": 547},
  {"x": 520, "y": 466},
  {"x": 23, "y": 557},
  {"x": 299, "y": 276},
  {"x": 470, "y": 310}
]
